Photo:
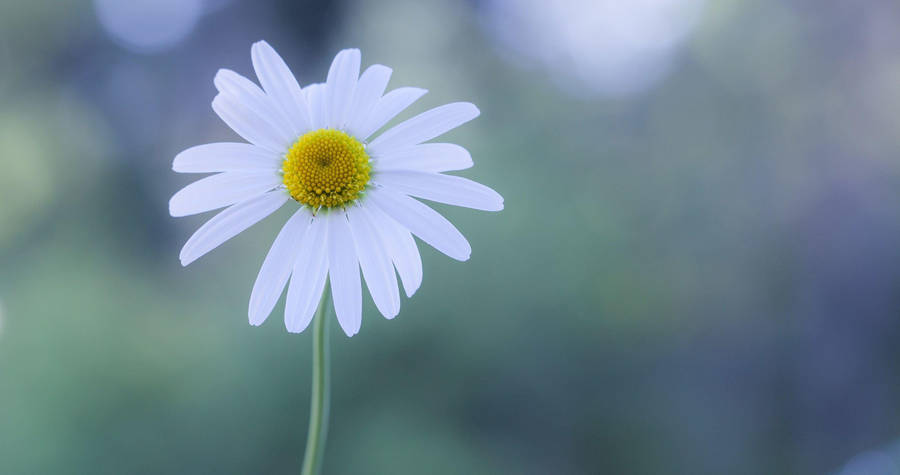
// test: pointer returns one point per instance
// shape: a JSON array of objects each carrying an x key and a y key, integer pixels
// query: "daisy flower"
[{"x": 355, "y": 197}]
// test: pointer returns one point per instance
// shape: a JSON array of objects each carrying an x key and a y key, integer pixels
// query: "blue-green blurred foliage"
[{"x": 696, "y": 275}]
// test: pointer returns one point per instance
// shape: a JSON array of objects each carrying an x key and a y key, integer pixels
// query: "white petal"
[
  {"x": 244, "y": 91},
  {"x": 423, "y": 221},
  {"x": 221, "y": 190},
  {"x": 426, "y": 157},
  {"x": 449, "y": 189},
  {"x": 315, "y": 98},
  {"x": 229, "y": 223},
  {"x": 276, "y": 269},
  {"x": 343, "y": 270},
  {"x": 388, "y": 107},
  {"x": 342, "y": 77},
  {"x": 402, "y": 248},
  {"x": 368, "y": 91},
  {"x": 424, "y": 126},
  {"x": 375, "y": 263},
  {"x": 249, "y": 125},
  {"x": 408, "y": 261},
  {"x": 281, "y": 85},
  {"x": 307, "y": 278},
  {"x": 222, "y": 157}
]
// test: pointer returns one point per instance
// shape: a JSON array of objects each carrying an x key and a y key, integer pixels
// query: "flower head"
[{"x": 353, "y": 197}]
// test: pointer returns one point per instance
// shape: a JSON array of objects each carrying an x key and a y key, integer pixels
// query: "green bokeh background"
[{"x": 700, "y": 277}]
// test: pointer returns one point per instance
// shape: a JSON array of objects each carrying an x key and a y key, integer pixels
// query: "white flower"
[{"x": 309, "y": 146}]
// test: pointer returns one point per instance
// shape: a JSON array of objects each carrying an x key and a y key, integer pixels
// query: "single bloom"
[{"x": 354, "y": 197}]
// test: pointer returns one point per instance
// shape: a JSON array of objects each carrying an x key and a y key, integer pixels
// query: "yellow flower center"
[{"x": 326, "y": 168}]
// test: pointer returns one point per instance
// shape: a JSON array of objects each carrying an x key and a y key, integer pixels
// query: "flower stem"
[{"x": 321, "y": 391}]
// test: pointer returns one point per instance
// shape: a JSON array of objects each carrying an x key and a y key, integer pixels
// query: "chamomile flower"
[{"x": 311, "y": 149}]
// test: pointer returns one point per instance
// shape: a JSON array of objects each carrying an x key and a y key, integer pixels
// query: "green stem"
[{"x": 321, "y": 391}]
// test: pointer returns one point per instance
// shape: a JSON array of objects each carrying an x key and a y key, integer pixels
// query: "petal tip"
[
  {"x": 220, "y": 79},
  {"x": 413, "y": 288},
  {"x": 294, "y": 330},
  {"x": 381, "y": 67},
  {"x": 253, "y": 313},
  {"x": 474, "y": 111},
  {"x": 254, "y": 321},
  {"x": 173, "y": 208},
  {"x": 177, "y": 166}
]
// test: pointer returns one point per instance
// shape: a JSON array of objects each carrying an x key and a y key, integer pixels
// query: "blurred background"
[{"x": 697, "y": 270}]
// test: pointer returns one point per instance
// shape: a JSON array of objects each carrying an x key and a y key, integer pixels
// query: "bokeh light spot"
[
  {"x": 609, "y": 47},
  {"x": 148, "y": 26}
]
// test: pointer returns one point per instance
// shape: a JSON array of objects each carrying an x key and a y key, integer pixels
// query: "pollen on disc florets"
[{"x": 326, "y": 168}]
